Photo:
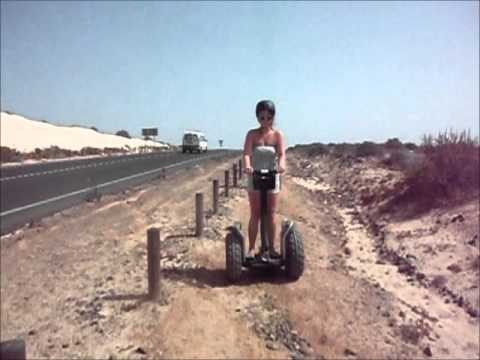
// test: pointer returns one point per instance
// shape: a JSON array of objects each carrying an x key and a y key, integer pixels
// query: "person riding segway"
[{"x": 264, "y": 158}]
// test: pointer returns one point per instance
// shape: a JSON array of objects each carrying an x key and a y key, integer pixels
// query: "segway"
[{"x": 291, "y": 247}]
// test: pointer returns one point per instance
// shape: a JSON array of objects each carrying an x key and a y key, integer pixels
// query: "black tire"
[
  {"x": 294, "y": 254},
  {"x": 233, "y": 256}
]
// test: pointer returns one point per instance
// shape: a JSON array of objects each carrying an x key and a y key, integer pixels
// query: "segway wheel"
[
  {"x": 233, "y": 248},
  {"x": 294, "y": 254}
]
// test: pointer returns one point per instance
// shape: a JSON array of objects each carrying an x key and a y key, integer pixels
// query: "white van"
[{"x": 194, "y": 141}]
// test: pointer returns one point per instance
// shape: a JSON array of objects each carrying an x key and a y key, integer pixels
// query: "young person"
[{"x": 263, "y": 136}]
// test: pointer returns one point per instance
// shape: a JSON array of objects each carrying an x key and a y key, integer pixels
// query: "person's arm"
[
  {"x": 282, "y": 163},
  {"x": 247, "y": 152}
]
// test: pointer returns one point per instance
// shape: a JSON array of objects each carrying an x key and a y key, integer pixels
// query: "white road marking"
[
  {"x": 43, "y": 202},
  {"x": 75, "y": 168}
]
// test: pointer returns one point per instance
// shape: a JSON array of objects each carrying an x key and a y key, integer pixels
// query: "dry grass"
[
  {"x": 443, "y": 169},
  {"x": 450, "y": 167}
]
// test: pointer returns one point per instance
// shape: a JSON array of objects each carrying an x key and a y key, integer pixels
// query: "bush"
[
  {"x": 393, "y": 144},
  {"x": 344, "y": 149},
  {"x": 54, "y": 152},
  {"x": 403, "y": 159},
  {"x": 9, "y": 155},
  {"x": 123, "y": 133},
  {"x": 368, "y": 148},
  {"x": 110, "y": 150},
  {"x": 90, "y": 151},
  {"x": 450, "y": 166},
  {"x": 38, "y": 154},
  {"x": 411, "y": 146},
  {"x": 318, "y": 149}
]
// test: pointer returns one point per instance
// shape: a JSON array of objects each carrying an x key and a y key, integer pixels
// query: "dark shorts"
[{"x": 278, "y": 184}]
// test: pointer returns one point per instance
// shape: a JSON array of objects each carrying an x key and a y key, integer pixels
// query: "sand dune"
[{"x": 25, "y": 135}]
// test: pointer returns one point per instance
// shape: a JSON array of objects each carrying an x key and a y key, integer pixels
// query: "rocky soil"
[{"x": 376, "y": 285}]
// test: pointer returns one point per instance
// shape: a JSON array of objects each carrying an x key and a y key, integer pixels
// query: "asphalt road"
[{"x": 31, "y": 191}]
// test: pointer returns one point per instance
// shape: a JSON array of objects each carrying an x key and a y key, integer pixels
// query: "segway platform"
[{"x": 261, "y": 262}]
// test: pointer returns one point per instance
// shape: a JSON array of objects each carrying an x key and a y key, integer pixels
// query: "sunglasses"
[{"x": 265, "y": 118}]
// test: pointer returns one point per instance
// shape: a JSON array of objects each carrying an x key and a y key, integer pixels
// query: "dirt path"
[
  {"x": 447, "y": 329},
  {"x": 333, "y": 314},
  {"x": 74, "y": 285}
]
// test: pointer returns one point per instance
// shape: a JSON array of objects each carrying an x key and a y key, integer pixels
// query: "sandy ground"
[{"x": 74, "y": 285}]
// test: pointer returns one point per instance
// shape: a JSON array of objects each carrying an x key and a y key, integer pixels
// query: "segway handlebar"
[{"x": 265, "y": 172}]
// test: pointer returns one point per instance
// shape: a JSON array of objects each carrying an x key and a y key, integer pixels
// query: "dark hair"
[{"x": 265, "y": 105}]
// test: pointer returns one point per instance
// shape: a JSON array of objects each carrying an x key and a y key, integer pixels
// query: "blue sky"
[{"x": 337, "y": 71}]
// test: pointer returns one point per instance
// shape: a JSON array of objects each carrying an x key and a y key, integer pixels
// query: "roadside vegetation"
[
  {"x": 443, "y": 168},
  {"x": 450, "y": 168},
  {"x": 123, "y": 133}
]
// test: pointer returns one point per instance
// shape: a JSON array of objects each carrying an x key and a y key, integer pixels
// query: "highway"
[{"x": 29, "y": 192}]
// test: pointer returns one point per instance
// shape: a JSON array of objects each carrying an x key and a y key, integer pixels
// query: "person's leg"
[
  {"x": 272, "y": 225},
  {"x": 254, "y": 199}
]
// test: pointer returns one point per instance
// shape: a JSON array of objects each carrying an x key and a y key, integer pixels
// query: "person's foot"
[
  {"x": 265, "y": 256},
  {"x": 274, "y": 254},
  {"x": 250, "y": 254}
]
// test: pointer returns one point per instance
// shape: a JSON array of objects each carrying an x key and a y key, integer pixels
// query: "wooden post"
[
  {"x": 240, "y": 170},
  {"x": 153, "y": 258},
  {"x": 199, "y": 214},
  {"x": 13, "y": 350},
  {"x": 215, "y": 196},
  {"x": 234, "y": 175},
  {"x": 227, "y": 176}
]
